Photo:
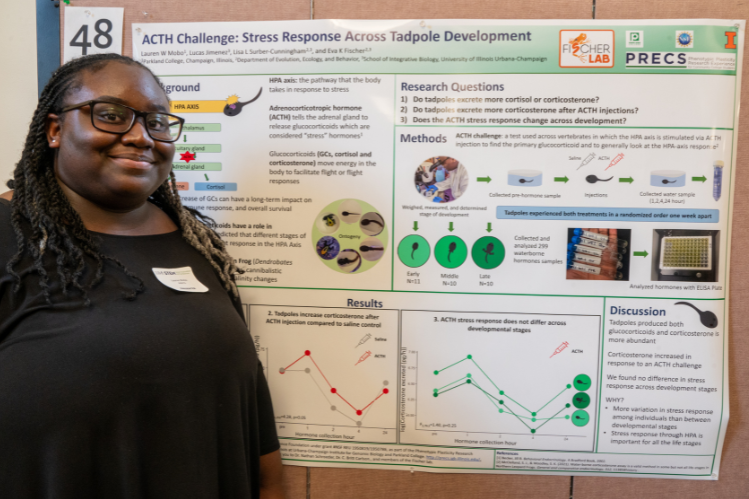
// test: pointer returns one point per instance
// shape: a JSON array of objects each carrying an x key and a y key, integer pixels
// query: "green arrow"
[
  {"x": 185, "y": 139},
  {"x": 561, "y": 179},
  {"x": 450, "y": 228},
  {"x": 206, "y": 177},
  {"x": 484, "y": 179},
  {"x": 416, "y": 225},
  {"x": 489, "y": 227},
  {"x": 699, "y": 179},
  {"x": 640, "y": 253},
  {"x": 628, "y": 179}
]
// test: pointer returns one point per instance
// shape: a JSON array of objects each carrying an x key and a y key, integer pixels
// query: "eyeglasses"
[{"x": 117, "y": 118}]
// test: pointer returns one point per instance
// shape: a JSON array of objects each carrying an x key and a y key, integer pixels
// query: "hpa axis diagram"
[{"x": 504, "y": 403}]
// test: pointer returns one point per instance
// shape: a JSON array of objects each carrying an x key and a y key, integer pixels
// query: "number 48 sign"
[{"x": 92, "y": 30}]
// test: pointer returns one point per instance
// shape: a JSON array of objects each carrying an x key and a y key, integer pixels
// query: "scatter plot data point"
[
  {"x": 282, "y": 370},
  {"x": 307, "y": 352},
  {"x": 308, "y": 370}
]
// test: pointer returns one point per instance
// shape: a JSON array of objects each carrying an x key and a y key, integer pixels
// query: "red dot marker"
[
  {"x": 385, "y": 390},
  {"x": 358, "y": 413},
  {"x": 307, "y": 352},
  {"x": 332, "y": 390}
]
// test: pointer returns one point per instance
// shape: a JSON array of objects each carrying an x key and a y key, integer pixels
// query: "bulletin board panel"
[{"x": 330, "y": 483}]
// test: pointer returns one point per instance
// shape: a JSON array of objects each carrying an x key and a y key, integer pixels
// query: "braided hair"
[{"x": 55, "y": 228}]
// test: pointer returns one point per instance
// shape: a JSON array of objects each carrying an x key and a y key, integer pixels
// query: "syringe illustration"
[
  {"x": 587, "y": 160},
  {"x": 364, "y": 357},
  {"x": 560, "y": 348},
  {"x": 364, "y": 339},
  {"x": 616, "y": 159}
]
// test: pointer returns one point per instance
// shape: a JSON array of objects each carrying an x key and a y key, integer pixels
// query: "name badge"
[{"x": 181, "y": 279}]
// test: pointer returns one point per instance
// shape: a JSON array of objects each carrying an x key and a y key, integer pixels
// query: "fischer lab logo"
[
  {"x": 586, "y": 49},
  {"x": 635, "y": 39},
  {"x": 684, "y": 39}
]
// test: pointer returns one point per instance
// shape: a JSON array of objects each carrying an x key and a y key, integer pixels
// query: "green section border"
[{"x": 485, "y": 294}]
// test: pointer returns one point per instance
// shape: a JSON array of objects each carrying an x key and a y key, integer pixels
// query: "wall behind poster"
[{"x": 328, "y": 483}]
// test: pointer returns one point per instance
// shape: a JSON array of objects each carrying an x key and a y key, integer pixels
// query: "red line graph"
[{"x": 333, "y": 390}]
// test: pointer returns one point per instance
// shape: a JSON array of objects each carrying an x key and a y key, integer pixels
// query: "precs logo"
[
  {"x": 586, "y": 49},
  {"x": 684, "y": 39}
]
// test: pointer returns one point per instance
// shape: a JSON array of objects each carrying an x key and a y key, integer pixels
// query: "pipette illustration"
[
  {"x": 364, "y": 357},
  {"x": 560, "y": 348}
]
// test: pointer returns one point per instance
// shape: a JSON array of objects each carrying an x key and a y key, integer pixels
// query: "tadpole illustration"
[
  {"x": 489, "y": 250},
  {"x": 346, "y": 213},
  {"x": 707, "y": 318},
  {"x": 371, "y": 248},
  {"x": 235, "y": 108},
  {"x": 524, "y": 181},
  {"x": 592, "y": 179},
  {"x": 414, "y": 247},
  {"x": 666, "y": 181},
  {"x": 368, "y": 221},
  {"x": 453, "y": 246}
]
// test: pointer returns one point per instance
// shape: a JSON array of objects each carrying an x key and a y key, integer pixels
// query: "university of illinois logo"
[{"x": 586, "y": 49}]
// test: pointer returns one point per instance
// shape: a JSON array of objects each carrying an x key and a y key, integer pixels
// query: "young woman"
[{"x": 117, "y": 382}]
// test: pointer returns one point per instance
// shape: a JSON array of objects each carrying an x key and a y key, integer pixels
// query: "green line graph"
[{"x": 499, "y": 398}]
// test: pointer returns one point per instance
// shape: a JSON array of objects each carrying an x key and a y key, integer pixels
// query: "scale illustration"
[{"x": 526, "y": 381}]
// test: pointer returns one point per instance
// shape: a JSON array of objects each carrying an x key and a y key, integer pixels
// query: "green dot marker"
[
  {"x": 468, "y": 375},
  {"x": 488, "y": 252},
  {"x": 582, "y": 382},
  {"x": 468, "y": 381},
  {"x": 567, "y": 416},
  {"x": 569, "y": 386},
  {"x": 501, "y": 392},
  {"x": 469, "y": 357},
  {"x": 566, "y": 405},
  {"x": 581, "y": 400},
  {"x": 436, "y": 390},
  {"x": 413, "y": 251},
  {"x": 533, "y": 413},
  {"x": 501, "y": 410},
  {"x": 436, "y": 373},
  {"x": 533, "y": 430},
  {"x": 533, "y": 419},
  {"x": 580, "y": 418},
  {"x": 436, "y": 394},
  {"x": 451, "y": 252},
  {"x": 501, "y": 401}
]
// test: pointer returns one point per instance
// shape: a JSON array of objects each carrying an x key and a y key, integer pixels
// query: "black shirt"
[{"x": 161, "y": 397}]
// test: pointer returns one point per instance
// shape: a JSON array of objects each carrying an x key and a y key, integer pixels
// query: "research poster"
[{"x": 473, "y": 246}]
